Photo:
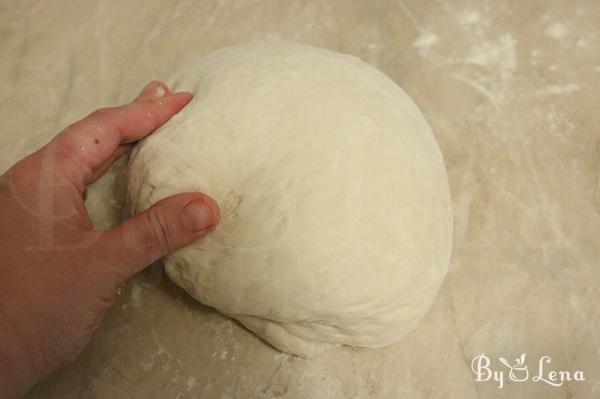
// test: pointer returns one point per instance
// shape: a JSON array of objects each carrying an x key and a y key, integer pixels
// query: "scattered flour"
[
  {"x": 556, "y": 31},
  {"x": 471, "y": 17},
  {"x": 424, "y": 42},
  {"x": 221, "y": 355},
  {"x": 480, "y": 87},
  {"x": 494, "y": 59},
  {"x": 557, "y": 89},
  {"x": 189, "y": 384},
  {"x": 582, "y": 43},
  {"x": 374, "y": 46},
  {"x": 136, "y": 296},
  {"x": 501, "y": 54},
  {"x": 536, "y": 57}
]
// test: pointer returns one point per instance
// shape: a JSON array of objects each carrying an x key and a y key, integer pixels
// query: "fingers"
[
  {"x": 84, "y": 147},
  {"x": 170, "y": 224}
]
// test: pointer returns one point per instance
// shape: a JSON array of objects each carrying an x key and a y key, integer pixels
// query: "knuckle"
[
  {"x": 68, "y": 153},
  {"x": 160, "y": 237},
  {"x": 72, "y": 161},
  {"x": 102, "y": 120},
  {"x": 102, "y": 113}
]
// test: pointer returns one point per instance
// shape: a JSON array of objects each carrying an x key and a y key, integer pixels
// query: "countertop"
[{"x": 511, "y": 90}]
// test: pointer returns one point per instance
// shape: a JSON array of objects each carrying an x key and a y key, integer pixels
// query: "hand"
[{"x": 58, "y": 276}]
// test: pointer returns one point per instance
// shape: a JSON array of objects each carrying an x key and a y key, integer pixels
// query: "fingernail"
[
  {"x": 184, "y": 93},
  {"x": 197, "y": 216}
]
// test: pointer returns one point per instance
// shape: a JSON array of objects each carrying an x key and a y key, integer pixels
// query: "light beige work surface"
[{"x": 512, "y": 92}]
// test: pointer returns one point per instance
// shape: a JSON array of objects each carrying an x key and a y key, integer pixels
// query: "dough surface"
[{"x": 336, "y": 222}]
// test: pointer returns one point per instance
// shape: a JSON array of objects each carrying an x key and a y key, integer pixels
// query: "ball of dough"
[{"x": 336, "y": 222}]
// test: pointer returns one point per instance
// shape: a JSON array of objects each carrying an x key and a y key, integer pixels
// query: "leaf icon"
[{"x": 522, "y": 359}]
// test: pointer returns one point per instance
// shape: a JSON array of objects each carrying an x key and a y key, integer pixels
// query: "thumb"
[{"x": 170, "y": 224}]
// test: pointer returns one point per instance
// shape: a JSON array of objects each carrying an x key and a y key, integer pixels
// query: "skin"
[{"x": 59, "y": 276}]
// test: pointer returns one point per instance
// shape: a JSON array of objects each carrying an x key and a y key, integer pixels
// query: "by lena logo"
[{"x": 519, "y": 371}]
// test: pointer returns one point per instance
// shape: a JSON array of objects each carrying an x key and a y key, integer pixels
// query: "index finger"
[{"x": 87, "y": 144}]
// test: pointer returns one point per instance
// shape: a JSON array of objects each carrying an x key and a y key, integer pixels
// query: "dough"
[{"x": 336, "y": 216}]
